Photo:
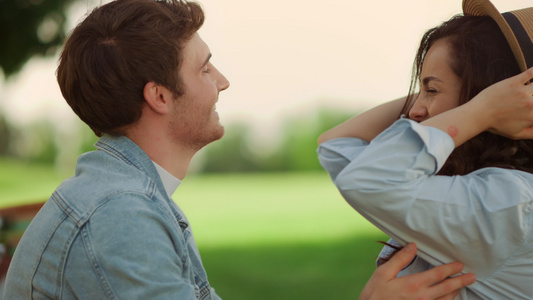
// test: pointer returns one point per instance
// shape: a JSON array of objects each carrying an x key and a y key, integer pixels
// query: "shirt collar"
[{"x": 170, "y": 182}]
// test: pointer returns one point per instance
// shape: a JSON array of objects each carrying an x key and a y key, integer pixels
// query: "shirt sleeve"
[
  {"x": 336, "y": 154},
  {"x": 483, "y": 216}
]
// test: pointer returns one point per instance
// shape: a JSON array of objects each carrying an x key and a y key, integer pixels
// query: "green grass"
[
  {"x": 22, "y": 183},
  {"x": 279, "y": 236},
  {"x": 267, "y": 208},
  {"x": 261, "y": 236},
  {"x": 329, "y": 270}
]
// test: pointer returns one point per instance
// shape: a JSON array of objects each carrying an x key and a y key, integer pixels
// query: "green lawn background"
[{"x": 261, "y": 236}]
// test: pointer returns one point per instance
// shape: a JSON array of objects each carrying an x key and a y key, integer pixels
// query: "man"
[{"x": 140, "y": 76}]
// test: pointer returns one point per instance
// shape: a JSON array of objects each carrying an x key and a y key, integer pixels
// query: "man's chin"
[
  {"x": 221, "y": 133},
  {"x": 215, "y": 135}
]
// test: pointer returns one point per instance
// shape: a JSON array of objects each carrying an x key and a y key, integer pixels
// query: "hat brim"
[{"x": 517, "y": 36}]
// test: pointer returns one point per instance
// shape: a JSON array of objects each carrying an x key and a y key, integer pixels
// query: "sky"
[{"x": 282, "y": 57}]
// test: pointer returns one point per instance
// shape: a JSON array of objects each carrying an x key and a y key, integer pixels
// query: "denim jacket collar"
[{"x": 130, "y": 153}]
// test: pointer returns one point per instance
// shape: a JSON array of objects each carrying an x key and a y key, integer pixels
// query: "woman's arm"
[
  {"x": 367, "y": 125},
  {"x": 478, "y": 218},
  {"x": 505, "y": 108}
]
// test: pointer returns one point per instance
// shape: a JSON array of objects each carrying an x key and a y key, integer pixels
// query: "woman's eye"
[
  {"x": 431, "y": 91},
  {"x": 206, "y": 70}
]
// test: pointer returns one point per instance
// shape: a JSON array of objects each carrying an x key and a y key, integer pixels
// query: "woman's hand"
[
  {"x": 511, "y": 104},
  {"x": 431, "y": 284}
]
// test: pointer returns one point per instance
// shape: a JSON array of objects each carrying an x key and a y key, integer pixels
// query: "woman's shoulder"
[
  {"x": 500, "y": 187},
  {"x": 504, "y": 174}
]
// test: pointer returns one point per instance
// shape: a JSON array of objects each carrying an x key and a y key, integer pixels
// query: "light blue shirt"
[
  {"x": 109, "y": 232},
  {"x": 483, "y": 219}
]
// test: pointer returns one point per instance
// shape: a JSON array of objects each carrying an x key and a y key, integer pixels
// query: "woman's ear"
[{"x": 157, "y": 97}]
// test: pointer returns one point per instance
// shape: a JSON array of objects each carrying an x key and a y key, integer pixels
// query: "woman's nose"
[{"x": 418, "y": 112}]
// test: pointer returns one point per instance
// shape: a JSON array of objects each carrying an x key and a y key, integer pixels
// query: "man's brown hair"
[{"x": 116, "y": 50}]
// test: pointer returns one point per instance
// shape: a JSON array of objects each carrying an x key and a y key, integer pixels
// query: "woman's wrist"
[{"x": 462, "y": 123}]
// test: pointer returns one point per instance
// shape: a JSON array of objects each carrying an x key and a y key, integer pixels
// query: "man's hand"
[{"x": 431, "y": 284}]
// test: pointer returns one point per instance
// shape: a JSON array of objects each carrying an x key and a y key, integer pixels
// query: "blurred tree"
[
  {"x": 297, "y": 151},
  {"x": 35, "y": 143},
  {"x": 27, "y": 28},
  {"x": 5, "y": 135},
  {"x": 231, "y": 153},
  {"x": 88, "y": 138}
]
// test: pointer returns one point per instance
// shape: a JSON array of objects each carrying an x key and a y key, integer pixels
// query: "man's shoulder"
[{"x": 101, "y": 178}]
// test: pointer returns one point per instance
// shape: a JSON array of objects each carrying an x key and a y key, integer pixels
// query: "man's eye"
[{"x": 206, "y": 70}]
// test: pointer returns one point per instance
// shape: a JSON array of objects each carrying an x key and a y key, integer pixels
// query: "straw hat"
[{"x": 517, "y": 26}]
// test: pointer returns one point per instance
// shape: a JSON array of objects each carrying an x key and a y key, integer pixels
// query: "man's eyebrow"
[{"x": 426, "y": 80}]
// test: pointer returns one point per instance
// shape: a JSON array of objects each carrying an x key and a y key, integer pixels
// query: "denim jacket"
[{"x": 109, "y": 232}]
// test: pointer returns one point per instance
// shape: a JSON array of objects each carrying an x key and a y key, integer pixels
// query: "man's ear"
[{"x": 157, "y": 97}]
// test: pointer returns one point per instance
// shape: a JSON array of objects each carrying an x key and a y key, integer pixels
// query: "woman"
[{"x": 455, "y": 175}]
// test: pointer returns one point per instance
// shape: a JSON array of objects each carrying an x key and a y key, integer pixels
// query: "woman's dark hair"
[
  {"x": 480, "y": 57},
  {"x": 116, "y": 50}
]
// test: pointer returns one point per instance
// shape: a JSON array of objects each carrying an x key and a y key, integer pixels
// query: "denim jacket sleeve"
[{"x": 482, "y": 219}]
